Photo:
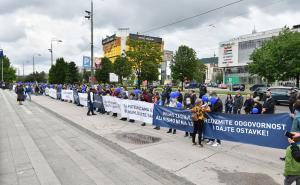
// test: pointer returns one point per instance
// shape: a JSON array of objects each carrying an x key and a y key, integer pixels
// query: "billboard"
[
  {"x": 228, "y": 54},
  {"x": 86, "y": 62}
]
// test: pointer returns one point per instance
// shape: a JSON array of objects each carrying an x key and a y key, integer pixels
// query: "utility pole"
[
  {"x": 23, "y": 69},
  {"x": 90, "y": 16},
  {"x": 33, "y": 64},
  {"x": 1, "y": 56}
]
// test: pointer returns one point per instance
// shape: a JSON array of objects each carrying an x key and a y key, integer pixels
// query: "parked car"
[
  {"x": 192, "y": 86},
  {"x": 255, "y": 86},
  {"x": 222, "y": 86},
  {"x": 282, "y": 94},
  {"x": 212, "y": 84},
  {"x": 238, "y": 87},
  {"x": 260, "y": 92}
]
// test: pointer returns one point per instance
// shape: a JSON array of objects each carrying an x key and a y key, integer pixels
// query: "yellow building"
[{"x": 114, "y": 46}]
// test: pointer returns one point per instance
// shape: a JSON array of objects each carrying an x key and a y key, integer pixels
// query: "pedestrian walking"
[{"x": 20, "y": 93}]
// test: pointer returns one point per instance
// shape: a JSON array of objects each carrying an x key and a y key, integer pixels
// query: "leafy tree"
[
  {"x": 9, "y": 73},
  {"x": 58, "y": 72},
  {"x": 86, "y": 75},
  {"x": 122, "y": 68},
  {"x": 185, "y": 65},
  {"x": 140, "y": 53},
  {"x": 39, "y": 77},
  {"x": 149, "y": 71},
  {"x": 72, "y": 75},
  {"x": 278, "y": 58},
  {"x": 102, "y": 75},
  {"x": 200, "y": 72}
]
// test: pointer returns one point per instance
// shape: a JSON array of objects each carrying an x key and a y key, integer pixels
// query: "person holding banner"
[
  {"x": 91, "y": 99},
  {"x": 198, "y": 112}
]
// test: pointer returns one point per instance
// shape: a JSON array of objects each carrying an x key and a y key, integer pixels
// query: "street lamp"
[
  {"x": 89, "y": 16},
  {"x": 36, "y": 55},
  {"x": 1, "y": 56},
  {"x": 51, "y": 49}
]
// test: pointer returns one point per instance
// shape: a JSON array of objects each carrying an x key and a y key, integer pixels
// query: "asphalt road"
[{"x": 37, "y": 148}]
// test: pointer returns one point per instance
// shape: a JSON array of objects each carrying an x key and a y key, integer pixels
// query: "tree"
[
  {"x": 9, "y": 73},
  {"x": 72, "y": 75},
  {"x": 149, "y": 71},
  {"x": 58, "y": 72},
  {"x": 185, "y": 65},
  {"x": 278, "y": 58},
  {"x": 39, "y": 77},
  {"x": 200, "y": 72},
  {"x": 86, "y": 75},
  {"x": 102, "y": 75},
  {"x": 122, "y": 67},
  {"x": 141, "y": 52}
]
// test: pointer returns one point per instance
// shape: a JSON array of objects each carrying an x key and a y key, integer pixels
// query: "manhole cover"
[{"x": 139, "y": 139}]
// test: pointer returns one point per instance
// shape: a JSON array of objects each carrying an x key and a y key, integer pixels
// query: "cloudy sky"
[{"x": 27, "y": 26}]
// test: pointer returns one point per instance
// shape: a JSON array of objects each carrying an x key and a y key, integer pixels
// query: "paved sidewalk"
[{"x": 231, "y": 163}]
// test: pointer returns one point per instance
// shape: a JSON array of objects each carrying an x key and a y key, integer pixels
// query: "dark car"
[
  {"x": 255, "y": 86},
  {"x": 238, "y": 87},
  {"x": 260, "y": 92},
  {"x": 192, "y": 86},
  {"x": 282, "y": 94}
]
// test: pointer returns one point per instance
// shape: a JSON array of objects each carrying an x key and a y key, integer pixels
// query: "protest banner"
[
  {"x": 83, "y": 99},
  {"x": 137, "y": 110},
  {"x": 173, "y": 118},
  {"x": 53, "y": 93},
  {"x": 112, "y": 104},
  {"x": 263, "y": 130},
  {"x": 67, "y": 95}
]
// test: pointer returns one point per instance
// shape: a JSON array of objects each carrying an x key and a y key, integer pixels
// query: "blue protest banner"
[
  {"x": 172, "y": 118},
  {"x": 263, "y": 130}
]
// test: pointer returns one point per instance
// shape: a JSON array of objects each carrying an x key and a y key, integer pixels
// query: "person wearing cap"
[
  {"x": 269, "y": 104},
  {"x": 237, "y": 103}
]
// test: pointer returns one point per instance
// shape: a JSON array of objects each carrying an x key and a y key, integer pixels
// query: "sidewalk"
[{"x": 231, "y": 163}]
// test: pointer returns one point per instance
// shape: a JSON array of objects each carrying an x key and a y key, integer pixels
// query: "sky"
[{"x": 28, "y": 26}]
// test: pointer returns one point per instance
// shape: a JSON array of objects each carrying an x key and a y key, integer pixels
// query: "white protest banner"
[
  {"x": 83, "y": 99},
  {"x": 140, "y": 111},
  {"x": 53, "y": 93},
  {"x": 112, "y": 104},
  {"x": 47, "y": 91},
  {"x": 67, "y": 95},
  {"x": 124, "y": 107}
]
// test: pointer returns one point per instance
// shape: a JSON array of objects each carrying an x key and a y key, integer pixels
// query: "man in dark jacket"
[
  {"x": 91, "y": 99},
  {"x": 269, "y": 104},
  {"x": 238, "y": 102},
  {"x": 203, "y": 90}
]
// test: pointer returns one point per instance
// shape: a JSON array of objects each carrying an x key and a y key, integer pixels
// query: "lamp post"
[
  {"x": 90, "y": 16},
  {"x": 33, "y": 67},
  {"x": 51, "y": 49},
  {"x": 1, "y": 56}
]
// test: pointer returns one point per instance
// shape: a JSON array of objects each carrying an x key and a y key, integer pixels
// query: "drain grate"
[{"x": 138, "y": 139}]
